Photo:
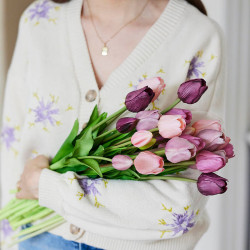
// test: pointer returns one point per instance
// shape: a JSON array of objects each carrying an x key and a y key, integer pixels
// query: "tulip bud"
[
  {"x": 178, "y": 149},
  {"x": 191, "y": 91},
  {"x": 122, "y": 162},
  {"x": 198, "y": 142},
  {"x": 156, "y": 84},
  {"x": 148, "y": 163},
  {"x": 186, "y": 114},
  {"x": 206, "y": 124},
  {"x": 126, "y": 124},
  {"x": 211, "y": 184},
  {"x": 138, "y": 100},
  {"x": 208, "y": 162},
  {"x": 141, "y": 138},
  {"x": 148, "y": 119},
  {"x": 171, "y": 125}
]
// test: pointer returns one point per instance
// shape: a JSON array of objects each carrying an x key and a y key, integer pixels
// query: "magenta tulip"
[
  {"x": 122, "y": 162},
  {"x": 198, "y": 142},
  {"x": 211, "y": 184},
  {"x": 213, "y": 139},
  {"x": 178, "y": 149},
  {"x": 141, "y": 138},
  {"x": 138, "y": 100},
  {"x": 208, "y": 162},
  {"x": 126, "y": 124},
  {"x": 156, "y": 84},
  {"x": 148, "y": 163},
  {"x": 148, "y": 119},
  {"x": 206, "y": 124},
  {"x": 186, "y": 114},
  {"x": 229, "y": 149},
  {"x": 171, "y": 125}
]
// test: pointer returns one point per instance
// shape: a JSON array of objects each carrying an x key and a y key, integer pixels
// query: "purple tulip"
[
  {"x": 229, "y": 149},
  {"x": 178, "y": 149},
  {"x": 213, "y": 138},
  {"x": 191, "y": 91},
  {"x": 186, "y": 114},
  {"x": 208, "y": 162},
  {"x": 126, "y": 124},
  {"x": 138, "y": 100},
  {"x": 122, "y": 162},
  {"x": 198, "y": 142},
  {"x": 148, "y": 119},
  {"x": 211, "y": 184}
]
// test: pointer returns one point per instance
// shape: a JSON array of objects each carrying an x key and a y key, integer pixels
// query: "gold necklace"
[{"x": 105, "y": 48}]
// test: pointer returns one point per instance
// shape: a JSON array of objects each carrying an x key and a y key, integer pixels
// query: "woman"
[{"x": 68, "y": 58}]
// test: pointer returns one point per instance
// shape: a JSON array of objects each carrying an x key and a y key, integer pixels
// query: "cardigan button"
[
  {"x": 91, "y": 95},
  {"x": 74, "y": 229}
]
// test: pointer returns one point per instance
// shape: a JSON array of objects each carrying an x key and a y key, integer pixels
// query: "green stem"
[
  {"x": 106, "y": 133},
  {"x": 116, "y": 114},
  {"x": 118, "y": 146},
  {"x": 112, "y": 137},
  {"x": 184, "y": 163},
  {"x": 167, "y": 178},
  {"x": 171, "y": 106},
  {"x": 95, "y": 157}
]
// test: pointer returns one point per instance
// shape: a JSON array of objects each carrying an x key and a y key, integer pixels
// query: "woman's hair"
[{"x": 197, "y": 3}]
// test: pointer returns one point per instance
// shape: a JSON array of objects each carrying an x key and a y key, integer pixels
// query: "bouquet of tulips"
[{"x": 152, "y": 145}]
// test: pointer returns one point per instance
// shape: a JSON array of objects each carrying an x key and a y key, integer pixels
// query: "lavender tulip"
[
  {"x": 211, "y": 184},
  {"x": 178, "y": 149},
  {"x": 191, "y": 91},
  {"x": 213, "y": 139},
  {"x": 208, "y": 162},
  {"x": 138, "y": 100},
  {"x": 186, "y": 114},
  {"x": 198, "y": 142},
  {"x": 126, "y": 124},
  {"x": 122, "y": 162},
  {"x": 148, "y": 119}
]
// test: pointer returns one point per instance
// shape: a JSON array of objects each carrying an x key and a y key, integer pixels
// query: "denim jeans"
[{"x": 48, "y": 241}]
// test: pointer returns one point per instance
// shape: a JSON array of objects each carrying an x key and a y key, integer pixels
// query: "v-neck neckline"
[{"x": 156, "y": 34}]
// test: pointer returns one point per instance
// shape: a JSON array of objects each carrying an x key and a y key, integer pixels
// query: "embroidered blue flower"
[
  {"x": 182, "y": 222},
  {"x": 89, "y": 186},
  {"x": 8, "y": 136},
  {"x": 40, "y": 10},
  {"x": 194, "y": 67}
]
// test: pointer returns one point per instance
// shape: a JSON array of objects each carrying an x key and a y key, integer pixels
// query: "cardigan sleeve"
[
  {"x": 14, "y": 110},
  {"x": 134, "y": 210}
]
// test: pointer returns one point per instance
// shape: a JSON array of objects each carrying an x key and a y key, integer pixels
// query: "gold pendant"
[{"x": 105, "y": 50}]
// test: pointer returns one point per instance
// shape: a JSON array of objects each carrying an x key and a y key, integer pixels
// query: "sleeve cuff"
[{"x": 48, "y": 194}]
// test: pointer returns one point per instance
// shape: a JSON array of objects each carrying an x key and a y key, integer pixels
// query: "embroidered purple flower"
[
  {"x": 194, "y": 67},
  {"x": 88, "y": 186},
  {"x": 5, "y": 227},
  {"x": 44, "y": 112},
  {"x": 8, "y": 136},
  {"x": 40, "y": 10},
  {"x": 182, "y": 223}
]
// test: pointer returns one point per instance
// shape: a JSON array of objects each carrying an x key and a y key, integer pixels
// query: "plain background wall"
[{"x": 228, "y": 213}]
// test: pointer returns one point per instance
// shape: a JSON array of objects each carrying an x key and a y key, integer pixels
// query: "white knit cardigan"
[{"x": 47, "y": 89}]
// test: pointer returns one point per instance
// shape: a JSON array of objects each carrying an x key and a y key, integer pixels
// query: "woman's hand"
[{"x": 29, "y": 181}]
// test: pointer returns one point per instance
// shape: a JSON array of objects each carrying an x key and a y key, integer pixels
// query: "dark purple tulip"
[
  {"x": 208, "y": 162},
  {"x": 198, "y": 142},
  {"x": 186, "y": 114},
  {"x": 138, "y": 100},
  {"x": 211, "y": 184},
  {"x": 126, "y": 124},
  {"x": 191, "y": 91}
]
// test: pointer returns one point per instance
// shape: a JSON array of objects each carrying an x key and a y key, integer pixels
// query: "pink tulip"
[
  {"x": 156, "y": 84},
  {"x": 141, "y": 138},
  {"x": 208, "y": 162},
  {"x": 213, "y": 139},
  {"x": 206, "y": 124},
  {"x": 149, "y": 163},
  {"x": 171, "y": 125},
  {"x": 186, "y": 114},
  {"x": 198, "y": 142},
  {"x": 178, "y": 149},
  {"x": 148, "y": 119},
  {"x": 189, "y": 131},
  {"x": 122, "y": 162},
  {"x": 229, "y": 150}
]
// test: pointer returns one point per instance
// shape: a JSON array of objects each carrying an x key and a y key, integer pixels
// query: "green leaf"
[
  {"x": 100, "y": 118},
  {"x": 94, "y": 165},
  {"x": 67, "y": 146}
]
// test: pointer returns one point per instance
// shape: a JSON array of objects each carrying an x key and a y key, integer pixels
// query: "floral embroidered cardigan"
[{"x": 47, "y": 83}]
